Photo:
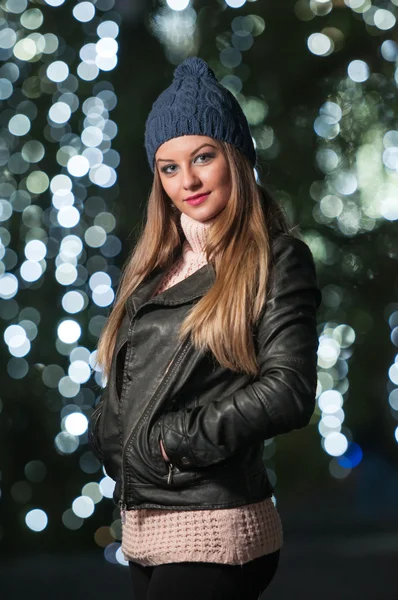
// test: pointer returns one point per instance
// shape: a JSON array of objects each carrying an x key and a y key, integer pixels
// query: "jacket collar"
[{"x": 192, "y": 287}]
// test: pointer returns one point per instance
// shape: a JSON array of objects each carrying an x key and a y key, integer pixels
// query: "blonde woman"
[{"x": 210, "y": 349}]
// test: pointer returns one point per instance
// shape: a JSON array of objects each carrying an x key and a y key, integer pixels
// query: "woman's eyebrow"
[{"x": 192, "y": 153}]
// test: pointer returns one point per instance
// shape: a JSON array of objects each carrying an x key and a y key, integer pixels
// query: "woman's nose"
[{"x": 189, "y": 179}]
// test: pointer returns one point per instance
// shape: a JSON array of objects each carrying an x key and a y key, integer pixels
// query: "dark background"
[{"x": 340, "y": 512}]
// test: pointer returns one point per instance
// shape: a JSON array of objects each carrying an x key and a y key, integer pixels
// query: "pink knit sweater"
[{"x": 230, "y": 536}]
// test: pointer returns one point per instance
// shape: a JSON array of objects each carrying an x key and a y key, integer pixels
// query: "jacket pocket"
[
  {"x": 93, "y": 433},
  {"x": 154, "y": 436},
  {"x": 162, "y": 468},
  {"x": 191, "y": 403},
  {"x": 180, "y": 403}
]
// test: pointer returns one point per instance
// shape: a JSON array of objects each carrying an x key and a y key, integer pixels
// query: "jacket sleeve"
[
  {"x": 282, "y": 397},
  {"x": 93, "y": 428}
]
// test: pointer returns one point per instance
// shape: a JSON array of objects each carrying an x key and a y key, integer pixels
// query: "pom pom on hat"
[{"x": 194, "y": 67}]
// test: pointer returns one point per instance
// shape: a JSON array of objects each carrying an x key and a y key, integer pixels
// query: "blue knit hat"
[{"x": 197, "y": 104}]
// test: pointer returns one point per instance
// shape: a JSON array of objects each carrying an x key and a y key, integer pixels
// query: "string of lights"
[{"x": 67, "y": 230}]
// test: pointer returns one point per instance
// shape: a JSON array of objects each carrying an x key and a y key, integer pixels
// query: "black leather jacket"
[{"x": 212, "y": 421}]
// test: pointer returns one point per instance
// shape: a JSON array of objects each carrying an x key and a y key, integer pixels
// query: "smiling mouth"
[{"x": 197, "y": 197}]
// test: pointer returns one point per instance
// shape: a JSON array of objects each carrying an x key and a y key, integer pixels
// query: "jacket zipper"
[
  {"x": 122, "y": 503},
  {"x": 171, "y": 470}
]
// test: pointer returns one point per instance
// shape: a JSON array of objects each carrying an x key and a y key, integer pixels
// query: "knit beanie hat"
[{"x": 197, "y": 104}]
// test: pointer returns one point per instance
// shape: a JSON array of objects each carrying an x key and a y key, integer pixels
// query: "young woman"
[{"x": 210, "y": 349}]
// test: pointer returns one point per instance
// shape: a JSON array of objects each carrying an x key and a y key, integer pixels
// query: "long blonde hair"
[{"x": 238, "y": 247}]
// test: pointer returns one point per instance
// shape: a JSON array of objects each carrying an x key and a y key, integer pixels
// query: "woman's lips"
[{"x": 198, "y": 200}]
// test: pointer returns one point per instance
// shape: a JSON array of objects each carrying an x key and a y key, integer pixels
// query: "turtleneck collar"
[{"x": 195, "y": 232}]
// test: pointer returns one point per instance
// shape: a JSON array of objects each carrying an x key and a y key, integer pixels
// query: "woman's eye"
[
  {"x": 205, "y": 156},
  {"x": 165, "y": 169},
  {"x": 201, "y": 158}
]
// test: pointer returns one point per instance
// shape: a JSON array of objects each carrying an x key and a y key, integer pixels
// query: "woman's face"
[{"x": 194, "y": 165}]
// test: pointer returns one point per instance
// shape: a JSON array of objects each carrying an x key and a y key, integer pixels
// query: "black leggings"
[{"x": 204, "y": 581}]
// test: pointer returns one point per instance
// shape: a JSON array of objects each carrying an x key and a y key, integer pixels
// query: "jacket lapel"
[{"x": 192, "y": 287}]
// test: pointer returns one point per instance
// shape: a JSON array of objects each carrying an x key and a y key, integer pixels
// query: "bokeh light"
[{"x": 36, "y": 519}]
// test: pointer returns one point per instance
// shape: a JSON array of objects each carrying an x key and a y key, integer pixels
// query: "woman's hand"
[{"x": 166, "y": 458}]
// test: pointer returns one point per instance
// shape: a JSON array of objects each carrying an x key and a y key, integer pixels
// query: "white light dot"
[
  {"x": 84, "y": 11},
  {"x": 83, "y": 506},
  {"x": 35, "y": 250},
  {"x": 384, "y": 19},
  {"x": 328, "y": 424},
  {"x": 94, "y": 156},
  {"x": 107, "y": 486},
  {"x": 106, "y": 63},
  {"x": 120, "y": 557},
  {"x": 106, "y": 47},
  {"x": 8, "y": 37},
  {"x": 68, "y": 216},
  {"x": 57, "y": 71},
  {"x": 71, "y": 246},
  {"x": 14, "y": 336},
  {"x": 31, "y": 270},
  {"x": 68, "y": 389},
  {"x": 393, "y": 373},
  {"x": 389, "y": 207},
  {"x": 99, "y": 278},
  {"x": 78, "y": 165},
  {"x": 8, "y": 286},
  {"x": 66, "y": 443},
  {"x": 36, "y": 519},
  {"x": 19, "y": 125},
  {"x": 178, "y": 4},
  {"x": 6, "y": 88},
  {"x": 336, "y": 444},
  {"x": 93, "y": 361},
  {"x": 66, "y": 274},
  {"x": 61, "y": 183},
  {"x": 389, "y": 50},
  {"x": 92, "y": 136},
  {"x": 345, "y": 182},
  {"x": 103, "y": 295},
  {"x": 76, "y": 423},
  {"x": 80, "y": 353},
  {"x": 328, "y": 351},
  {"x": 108, "y": 29},
  {"x": 332, "y": 110},
  {"x": 87, "y": 72},
  {"x": 93, "y": 491},
  {"x": 73, "y": 302},
  {"x": 60, "y": 112},
  {"x": 5, "y": 210},
  {"x": 79, "y": 371},
  {"x": 103, "y": 176},
  {"x": 21, "y": 350},
  {"x": 319, "y": 43},
  {"x": 358, "y": 71},
  {"x": 331, "y": 421},
  {"x": 25, "y": 49},
  {"x": 88, "y": 53},
  {"x": 69, "y": 331},
  {"x": 390, "y": 157},
  {"x": 330, "y": 401},
  {"x": 235, "y": 3}
]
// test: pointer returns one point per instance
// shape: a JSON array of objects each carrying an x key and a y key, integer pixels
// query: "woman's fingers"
[{"x": 166, "y": 458}]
